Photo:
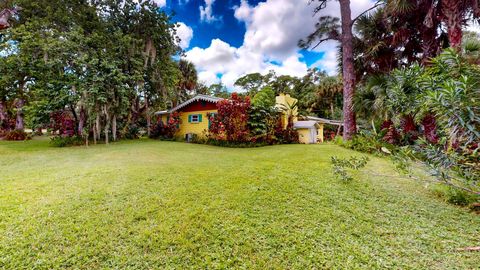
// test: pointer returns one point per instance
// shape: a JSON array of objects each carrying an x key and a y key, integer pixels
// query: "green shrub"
[
  {"x": 366, "y": 143},
  {"x": 131, "y": 132},
  {"x": 16, "y": 135},
  {"x": 60, "y": 141},
  {"x": 456, "y": 196},
  {"x": 341, "y": 167}
]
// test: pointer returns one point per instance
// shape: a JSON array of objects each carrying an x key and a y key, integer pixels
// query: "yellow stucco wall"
[
  {"x": 320, "y": 133},
  {"x": 304, "y": 135},
  {"x": 196, "y": 128}
]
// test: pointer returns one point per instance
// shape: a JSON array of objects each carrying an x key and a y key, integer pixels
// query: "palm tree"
[
  {"x": 471, "y": 47},
  {"x": 429, "y": 14},
  {"x": 371, "y": 98},
  {"x": 328, "y": 90},
  {"x": 187, "y": 81}
]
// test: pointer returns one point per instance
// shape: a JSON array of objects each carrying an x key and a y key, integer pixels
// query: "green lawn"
[{"x": 164, "y": 205}]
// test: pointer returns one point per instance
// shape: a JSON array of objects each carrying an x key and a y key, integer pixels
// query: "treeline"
[{"x": 97, "y": 67}]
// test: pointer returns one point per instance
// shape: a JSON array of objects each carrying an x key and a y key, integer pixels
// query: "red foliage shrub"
[
  {"x": 409, "y": 129},
  {"x": 287, "y": 135},
  {"x": 391, "y": 135},
  {"x": 231, "y": 120},
  {"x": 6, "y": 125},
  {"x": 330, "y": 133},
  {"x": 166, "y": 130},
  {"x": 62, "y": 122},
  {"x": 16, "y": 135},
  {"x": 430, "y": 128}
]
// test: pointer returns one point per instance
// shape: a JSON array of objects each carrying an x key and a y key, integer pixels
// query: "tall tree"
[
  {"x": 187, "y": 81},
  {"x": 331, "y": 28},
  {"x": 251, "y": 83}
]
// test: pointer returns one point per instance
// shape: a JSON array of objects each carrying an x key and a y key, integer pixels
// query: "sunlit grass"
[{"x": 148, "y": 204}]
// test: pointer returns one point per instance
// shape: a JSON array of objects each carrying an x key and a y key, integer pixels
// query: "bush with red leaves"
[
  {"x": 231, "y": 121},
  {"x": 166, "y": 130},
  {"x": 62, "y": 122},
  {"x": 430, "y": 128},
  {"x": 6, "y": 126},
  {"x": 391, "y": 135},
  {"x": 288, "y": 135},
  {"x": 16, "y": 135},
  {"x": 409, "y": 129}
]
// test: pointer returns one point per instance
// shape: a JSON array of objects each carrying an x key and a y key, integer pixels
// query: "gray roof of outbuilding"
[
  {"x": 305, "y": 124},
  {"x": 325, "y": 121},
  {"x": 195, "y": 98}
]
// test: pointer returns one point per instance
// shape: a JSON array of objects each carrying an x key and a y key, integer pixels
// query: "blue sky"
[
  {"x": 226, "y": 39},
  {"x": 227, "y": 28}
]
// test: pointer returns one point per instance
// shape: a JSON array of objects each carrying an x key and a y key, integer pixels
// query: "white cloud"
[
  {"x": 208, "y": 77},
  {"x": 232, "y": 63},
  {"x": 243, "y": 12},
  {"x": 215, "y": 58},
  {"x": 273, "y": 29},
  {"x": 160, "y": 3},
  {"x": 206, "y": 12},
  {"x": 329, "y": 59},
  {"x": 185, "y": 33}
]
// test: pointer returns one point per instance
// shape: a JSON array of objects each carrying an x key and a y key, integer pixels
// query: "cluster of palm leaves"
[{"x": 444, "y": 96}]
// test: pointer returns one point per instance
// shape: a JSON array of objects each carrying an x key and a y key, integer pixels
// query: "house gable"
[
  {"x": 199, "y": 105},
  {"x": 194, "y": 115}
]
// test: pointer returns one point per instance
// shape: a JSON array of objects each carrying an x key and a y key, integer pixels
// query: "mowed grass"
[{"x": 165, "y": 205}]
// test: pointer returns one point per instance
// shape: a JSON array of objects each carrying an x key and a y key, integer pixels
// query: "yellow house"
[
  {"x": 195, "y": 118},
  {"x": 309, "y": 131},
  {"x": 194, "y": 115}
]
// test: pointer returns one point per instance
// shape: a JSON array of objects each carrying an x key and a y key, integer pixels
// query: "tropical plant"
[
  {"x": 231, "y": 121},
  {"x": 16, "y": 135},
  {"x": 328, "y": 96},
  {"x": 436, "y": 109},
  {"x": 342, "y": 167},
  {"x": 167, "y": 130}
]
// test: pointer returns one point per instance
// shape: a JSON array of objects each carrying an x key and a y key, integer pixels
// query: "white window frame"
[{"x": 195, "y": 118}]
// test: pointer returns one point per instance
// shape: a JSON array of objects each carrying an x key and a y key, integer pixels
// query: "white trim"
[
  {"x": 198, "y": 118},
  {"x": 196, "y": 98}
]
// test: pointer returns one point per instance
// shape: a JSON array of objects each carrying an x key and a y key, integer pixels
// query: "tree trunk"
[
  {"x": 114, "y": 127},
  {"x": 332, "y": 110},
  {"x": 454, "y": 19},
  {"x": 94, "y": 134},
  {"x": 147, "y": 52},
  {"x": 429, "y": 44},
  {"x": 147, "y": 114},
  {"x": 107, "y": 123},
  {"x": 81, "y": 121},
  {"x": 349, "y": 121},
  {"x": 97, "y": 125},
  {"x": 3, "y": 113},
  {"x": 75, "y": 117},
  {"x": 19, "y": 124}
]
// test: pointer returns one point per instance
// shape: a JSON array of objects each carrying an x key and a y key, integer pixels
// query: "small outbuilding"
[{"x": 309, "y": 131}]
